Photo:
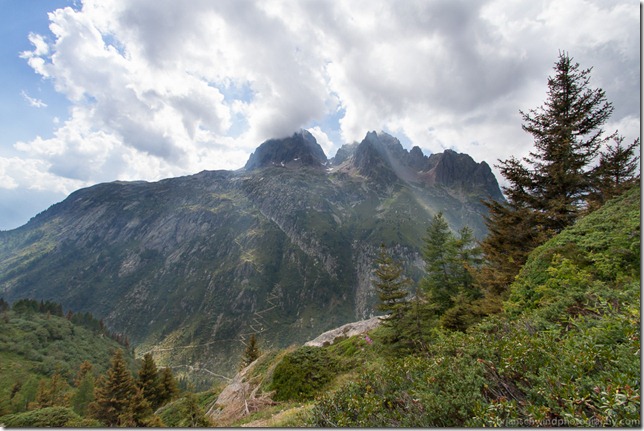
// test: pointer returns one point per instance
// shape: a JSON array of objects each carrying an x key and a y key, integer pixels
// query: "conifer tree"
[
  {"x": 43, "y": 395},
  {"x": 138, "y": 412},
  {"x": 549, "y": 189},
  {"x": 84, "y": 395},
  {"x": 4, "y": 306},
  {"x": 149, "y": 381},
  {"x": 192, "y": 414},
  {"x": 113, "y": 392},
  {"x": 467, "y": 259},
  {"x": 84, "y": 369},
  {"x": 567, "y": 132},
  {"x": 512, "y": 235},
  {"x": 168, "y": 386},
  {"x": 439, "y": 254},
  {"x": 51, "y": 392},
  {"x": 449, "y": 285},
  {"x": 84, "y": 383},
  {"x": 391, "y": 286},
  {"x": 617, "y": 169},
  {"x": 251, "y": 353}
]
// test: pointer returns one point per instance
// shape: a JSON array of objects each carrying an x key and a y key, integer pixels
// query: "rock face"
[
  {"x": 188, "y": 267},
  {"x": 301, "y": 149},
  {"x": 345, "y": 331},
  {"x": 383, "y": 158}
]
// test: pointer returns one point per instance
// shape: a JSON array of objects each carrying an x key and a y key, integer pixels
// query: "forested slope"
[{"x": 565, "y": 352}]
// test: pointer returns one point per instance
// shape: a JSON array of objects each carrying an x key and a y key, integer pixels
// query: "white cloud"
[
  {"x": 33, "y": 174},
  {"x": 36, "y": 103},
  {"x": 323, "y": 139},
  {"x": 162, "y": 88}
]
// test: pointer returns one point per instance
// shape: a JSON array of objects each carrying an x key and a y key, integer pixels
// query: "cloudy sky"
[{"x": 100, "y": 90}]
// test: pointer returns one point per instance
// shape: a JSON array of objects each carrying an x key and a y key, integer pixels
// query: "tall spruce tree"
[
  {"x": 468, "y": 258},
  {"x": 113, "y": 392},
  {"x": 84, "y": 395},
  {"x": 548, "y": 190},
  {"x": 512, "y": 234},
  {"x": 138, "y": 413},
  {"x": 568, "y": 133},
  {"x": 149, "y": 381},
  {"x": 449, "y": 285},
  {"x": 439, "y": 254},
  {"x": 52, "y": 392},
  {"x": 392, "y": 288},
  {"x": 84, "y": 383},
  {"x": 169, "y": 387}
]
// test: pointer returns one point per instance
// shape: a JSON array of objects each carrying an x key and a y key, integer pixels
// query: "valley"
[{"x": 190, "y": 267}]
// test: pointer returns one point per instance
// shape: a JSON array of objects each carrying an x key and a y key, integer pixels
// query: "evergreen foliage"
[
  {"x": 449, "y": 286},
  {"x": 193, "y": 415},
  {"x": 149, "y": 381},
  {"x": 617, "y": 169},
  {"x": 33, "y": 306},
  {"x": 113, "y": 392},
  {"x": 566, "y": 352},
  {"x": 54, "y": 417},
  {"x": 168, "y": 386},
  {"x": 512, "y": 234},
  {"x": 568, "y": 134},
  {"x": 392, "y": 288},
  {"x": 552, "y": 187},
  {"x": 52, "y": 392},
  {"x": 138, "y": 412},
  {"x": 302, "y": 373},
  {"x": 251, "y": 352},
  {"x": 36, "y": 346},
  {"x": 84, "y": 395},
  {"x": 4, "y": 306}
]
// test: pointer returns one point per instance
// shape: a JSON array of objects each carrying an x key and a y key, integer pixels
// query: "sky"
[{"x": 105, "y": 90}]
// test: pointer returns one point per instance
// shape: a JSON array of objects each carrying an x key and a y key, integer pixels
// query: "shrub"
[
  {"x": 407, "y": 392},
  {"x": 47, "y": 417},
  {"x": 302, "y": 373}
]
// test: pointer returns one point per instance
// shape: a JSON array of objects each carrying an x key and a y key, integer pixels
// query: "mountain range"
[{"x": 283, "y": 248}]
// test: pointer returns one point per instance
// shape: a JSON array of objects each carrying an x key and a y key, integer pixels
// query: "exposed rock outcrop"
[
  {"x": 349, "y": 330},
  {"x": 239, "y": 398},
  {"x": 301, "y": 149}
]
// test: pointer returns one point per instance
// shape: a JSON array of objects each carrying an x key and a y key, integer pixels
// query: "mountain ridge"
[{"x": 283, "y": 248}]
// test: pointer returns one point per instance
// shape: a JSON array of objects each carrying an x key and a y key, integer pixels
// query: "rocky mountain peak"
[
  {"x": 453, "y": 169},
  {"x": 374, "y": 157},
  {"x": 217, "y": 256},
  {"x": 382, "y": 158},
  {"x": 300, "y": 149}
]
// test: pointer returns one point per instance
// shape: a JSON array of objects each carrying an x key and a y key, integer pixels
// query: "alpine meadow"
[{"x": 386, "y": 286}]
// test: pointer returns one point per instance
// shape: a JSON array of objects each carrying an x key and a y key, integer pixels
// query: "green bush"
[
  {"x": 586, "y": 375},
  {"x": 47, "y": 417},
  {"x": 565, "y": 353},
  {"x": 302, "y": 373},
  {"x": 407, "y": 392}
]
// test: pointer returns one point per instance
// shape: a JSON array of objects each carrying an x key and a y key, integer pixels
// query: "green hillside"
[
  {"x": 35, "y": 346},
  {"x": 564, "y": 352}
]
